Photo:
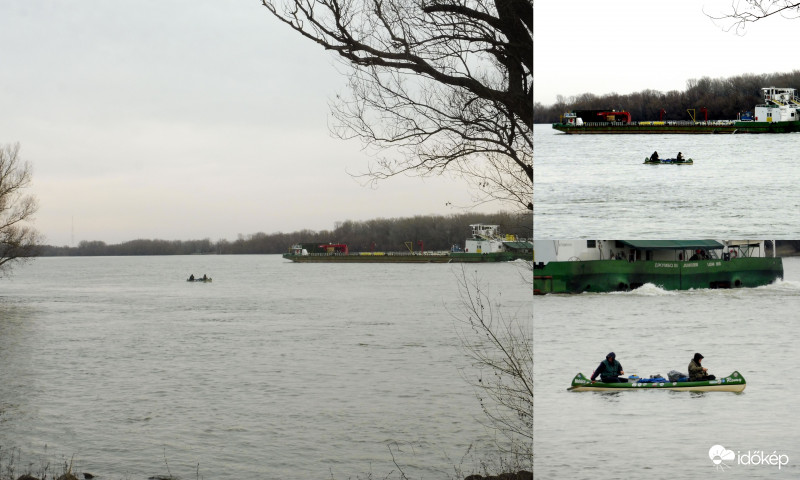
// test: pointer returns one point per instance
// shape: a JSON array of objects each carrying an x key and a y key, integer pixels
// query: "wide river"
[
  {"x": 596, "y": 186},
  {"x": 662, "y": 434},
  {"x": 273, "y": 370}
]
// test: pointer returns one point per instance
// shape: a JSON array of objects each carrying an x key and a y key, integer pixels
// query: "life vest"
[{"x": 611, "y": 369}]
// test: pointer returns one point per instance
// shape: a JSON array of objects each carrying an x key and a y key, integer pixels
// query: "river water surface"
[
  {"x": 596, "y": 186},
  {"x": 274, "y": 370}
]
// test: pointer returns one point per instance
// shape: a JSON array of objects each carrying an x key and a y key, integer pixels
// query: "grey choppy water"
[
  {"x": 274, "y": 370},
  {"x": 596, "y": 186},
  {"x": 660, "y": 434}
]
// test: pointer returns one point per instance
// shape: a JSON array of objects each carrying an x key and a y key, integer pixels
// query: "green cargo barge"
[
  {"x": 672, "y": 265},
  {"x": 662, "y": 128},
  {"x": 406, "y": 257},
  {"x": 780, "y": 113},
  {"x": 485, "y": 245}
]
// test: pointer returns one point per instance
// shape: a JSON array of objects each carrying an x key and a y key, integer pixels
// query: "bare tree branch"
[
  {"x": 751, "y": 11},
  {"x": 435, "y": 85},
  {"x": 501, "y": 348}
]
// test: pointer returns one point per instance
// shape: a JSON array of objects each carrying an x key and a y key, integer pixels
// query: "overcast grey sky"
[
  {"x": 178, "y": 119},
  {"x": 626, "y": 46}
]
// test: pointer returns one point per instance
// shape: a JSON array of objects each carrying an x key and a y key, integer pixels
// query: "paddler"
[
  {"x": 654, "y": 157},
  {"x": 698, "y": 373},
  {"x": 609, "y": 370}
]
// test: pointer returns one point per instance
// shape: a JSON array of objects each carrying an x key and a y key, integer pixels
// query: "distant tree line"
[
  {"x": 436, "y": 233},
  {"x": 723, "y": 98}
]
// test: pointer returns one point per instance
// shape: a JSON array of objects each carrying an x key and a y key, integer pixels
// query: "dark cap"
[
  {"x": 697, "y": 356},
  {"x": 611, "y": 355}
]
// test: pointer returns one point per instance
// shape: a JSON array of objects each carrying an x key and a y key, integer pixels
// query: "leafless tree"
[
  {"x": 436, "y": 86},
  {"x": 501, "y": 348},
  {"x": 749, "y": 11},
  {"x": 19, "y": 241}
]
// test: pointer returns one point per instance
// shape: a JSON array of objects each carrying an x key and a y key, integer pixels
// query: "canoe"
[
  {"x": 206, "y": 280},
  {"x": 668, "y": 161},
  {"x": 734, "y": 382}
]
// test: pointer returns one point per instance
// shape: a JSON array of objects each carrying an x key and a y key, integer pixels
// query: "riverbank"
[{"x": 16, "y": 466}]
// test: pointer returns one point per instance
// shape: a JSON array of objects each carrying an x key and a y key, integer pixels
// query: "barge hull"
[
  {"x": 689, "y": 129},
  {"x": 454, "y": 257},
  {"x": 602, "y": 276}
]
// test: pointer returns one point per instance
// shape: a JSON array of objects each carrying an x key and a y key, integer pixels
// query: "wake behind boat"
[{"x": 734, "y": 382}]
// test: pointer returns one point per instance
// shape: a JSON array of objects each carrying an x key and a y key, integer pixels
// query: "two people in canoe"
[
  {"x": 610, "y": 370},
  {"x": 192, "y": 279},
  {"x": 679, "y": 158}
]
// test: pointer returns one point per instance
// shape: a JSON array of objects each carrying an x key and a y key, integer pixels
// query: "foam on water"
[
  {"x": 651, "y": 290},
  {"x": 785, "y": 286}
]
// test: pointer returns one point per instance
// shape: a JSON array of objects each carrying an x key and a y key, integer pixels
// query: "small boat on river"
[
  {"x": 734, "y": 382},
  {"x": 668, "y": 161},
  {"x": 203, "y": 279}
]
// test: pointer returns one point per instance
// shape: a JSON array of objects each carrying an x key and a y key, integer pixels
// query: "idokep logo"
[{"x": 719, "y": 455}]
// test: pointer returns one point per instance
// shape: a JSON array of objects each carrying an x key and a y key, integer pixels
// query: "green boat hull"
[
  {"x": 678, "y": 128},
  {"x": 398, "y": 257},
  {"x": 689, "y": 161},
  {"x": 619, "y": 275},
  {"x": 734, "y": 382}
]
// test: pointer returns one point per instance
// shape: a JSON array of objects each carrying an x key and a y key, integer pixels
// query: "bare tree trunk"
[{"x": 19, "y": 241}]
